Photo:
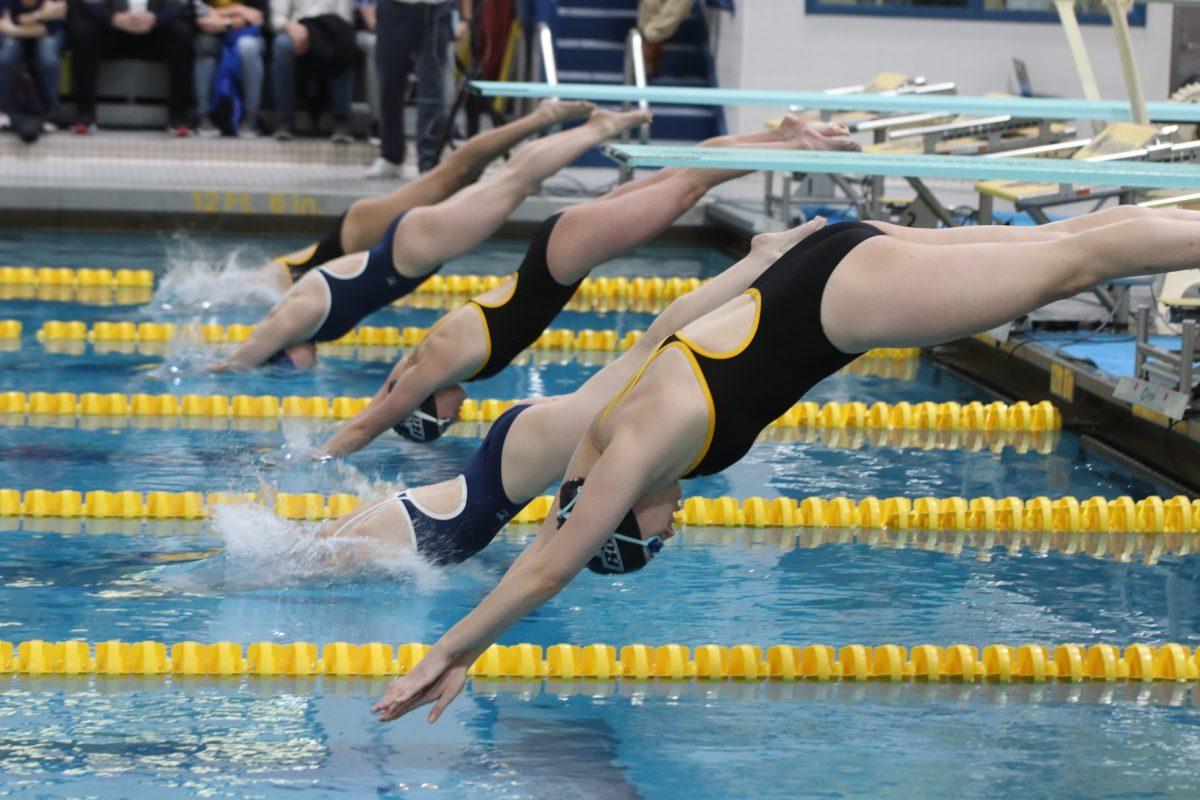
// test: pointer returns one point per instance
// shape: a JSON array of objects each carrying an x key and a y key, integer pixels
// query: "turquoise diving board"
[
  {"x": 1139, "y": 174},
  {"x": 1029, "y": 107}
]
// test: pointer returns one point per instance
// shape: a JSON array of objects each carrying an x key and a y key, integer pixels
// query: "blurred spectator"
[
  {"x": 414, "y": 34},
  {"x": 229, "y": 51},
  {"x": 148, "y": 30},
  {"x": 314, "y": 48},
  {"x": 658, "y": 20},
  {"x": 366, "y": 44},
  {"x": 31, "y": 32}
]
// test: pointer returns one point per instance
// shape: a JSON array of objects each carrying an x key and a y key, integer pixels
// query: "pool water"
[{"x": 270, "y": 738}]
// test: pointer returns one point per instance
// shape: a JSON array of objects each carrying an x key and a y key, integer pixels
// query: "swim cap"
[
  {"x": 423, "y": 425},
  {"x": 282, "y": 359},
  {"x": 624, "y": 551}
]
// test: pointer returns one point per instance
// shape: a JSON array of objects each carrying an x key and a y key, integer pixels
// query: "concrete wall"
[{"x": 774, "y": 44}]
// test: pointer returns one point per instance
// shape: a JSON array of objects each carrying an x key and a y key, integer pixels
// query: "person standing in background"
[
  {"x": 414, "y": 35},
  {"x": 223, "y": 22},
  {"x": 31, "y": 30}
]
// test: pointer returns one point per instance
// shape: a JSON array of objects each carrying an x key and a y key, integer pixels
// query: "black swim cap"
[
  {"x": 423, "y": 425},
  {"x": 281, "y": 359},
  {"x": 623, "y": 552}
]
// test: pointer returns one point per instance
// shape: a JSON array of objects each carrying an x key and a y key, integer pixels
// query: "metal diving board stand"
[{"x": 1050, "y": 108}]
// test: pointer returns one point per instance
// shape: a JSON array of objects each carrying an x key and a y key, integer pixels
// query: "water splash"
[
  {"x": 199, "y": 278},
  {"x": 262, "y": 550}
]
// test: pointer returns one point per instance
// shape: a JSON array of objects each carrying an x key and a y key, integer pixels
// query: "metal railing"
[
  {"x": 544, "y": 52},
  {"x": 542, "y": 65},
  {"x": 635, "y": 75}
]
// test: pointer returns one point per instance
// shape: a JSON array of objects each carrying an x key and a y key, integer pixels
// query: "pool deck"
[{"x": 1082, "y": 380}]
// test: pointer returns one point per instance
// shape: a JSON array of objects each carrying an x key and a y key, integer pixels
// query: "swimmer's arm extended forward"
[
  {"x": 631, "y": 463},
  {"x": 410, "y": 382}
]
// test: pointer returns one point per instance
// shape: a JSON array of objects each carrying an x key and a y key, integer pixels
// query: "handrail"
[
  {"x": 634, "y": 74},
  {"x": 545, "y": 53}
]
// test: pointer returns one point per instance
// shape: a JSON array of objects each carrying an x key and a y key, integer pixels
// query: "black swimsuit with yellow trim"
[
  {"x": 317, "y": 254},
  {"x": 784, "y": 355},
  {"x": 536, "y": 298}
]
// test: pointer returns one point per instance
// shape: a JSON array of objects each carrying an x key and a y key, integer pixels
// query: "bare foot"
[
  {"x": 829, "y": 128},
  {"x": 774, "y": 245},
  {"x": 836, "y": 143},
  {"x": 791, "y": 126},
  {"x": 557, "y": 111},
  {"x": 815, "y": 135},
  {"x": 614, "y": 122}
]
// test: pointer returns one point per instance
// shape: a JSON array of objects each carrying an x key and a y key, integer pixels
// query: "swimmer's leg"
[
  {"x": 367, "y": 218},
  {"x": 431, "y": 235},
  {"x": 597, "y": 231},
  {"x": 983, "y": 234},
  {"x": 365, "y": 221},
  {"x": 893, "y": 293},
  {"x": 797, "y": 134},
  {"x": 373, "y": 532}
]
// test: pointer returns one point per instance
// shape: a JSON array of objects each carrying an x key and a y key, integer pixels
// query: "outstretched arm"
[
  {"x": 441, "y": 675},
  {"x": 410, "y": 382},
  {"x": 635, "y": 461},
  {"x": 288, "y": 323}
]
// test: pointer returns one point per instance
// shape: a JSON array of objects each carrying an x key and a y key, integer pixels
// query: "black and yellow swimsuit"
[
  {"x": 516, "y": 322},
  {"x": 784, "y": 355},
  {"x": 317, "y": 254}
]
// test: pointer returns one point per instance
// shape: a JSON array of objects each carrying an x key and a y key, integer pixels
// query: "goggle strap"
[{"x": 421, "y": 415}]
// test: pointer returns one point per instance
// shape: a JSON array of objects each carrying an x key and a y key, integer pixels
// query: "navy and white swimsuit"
[
  {"x": 376, "y": 284},
  {"x": 485, "y": 508}
]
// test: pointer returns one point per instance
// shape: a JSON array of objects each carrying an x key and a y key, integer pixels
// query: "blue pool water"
[{"x": 117, "y": 738}]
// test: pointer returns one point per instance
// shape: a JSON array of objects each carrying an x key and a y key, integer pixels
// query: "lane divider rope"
[
  {"x": 973, "y": 441},
  {"x": 1123, "y": 547},
  {"x": 635, "y": 662},
  {"x": 98, "y": 296},
  {"x": 460, "y": 285},
  {"x": 83, "y": 276},
  {"x": 946, "y": 416},
  {"x": 441, "y": 292},
  {"x": 1068, "y": 514},
  {"x": 385, "y": 336}
]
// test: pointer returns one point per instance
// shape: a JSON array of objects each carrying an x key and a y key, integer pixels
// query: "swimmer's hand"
[{"x": 436, "y": 679}]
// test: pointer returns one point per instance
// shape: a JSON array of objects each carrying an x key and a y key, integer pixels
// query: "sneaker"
[
  {"x": 84, "y": 127},
  {"x": 5, "y": 121},
  {"x": 373, "y": 137},
  {"x": 283, "y": 133},
  {"x": 248, "y": 127},
  {"x": 341, "y": 133},
  {"x": 382, "y": 168},
  {"x": 49, "y": 127},
  {"x": 207, "y": 130},
  {"x": 179, "y": 130}
]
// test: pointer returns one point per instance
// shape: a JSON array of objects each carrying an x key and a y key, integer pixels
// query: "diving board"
[
  {"x": 1137, "y": 174},
  {"x": 1029, "y": 107}
]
